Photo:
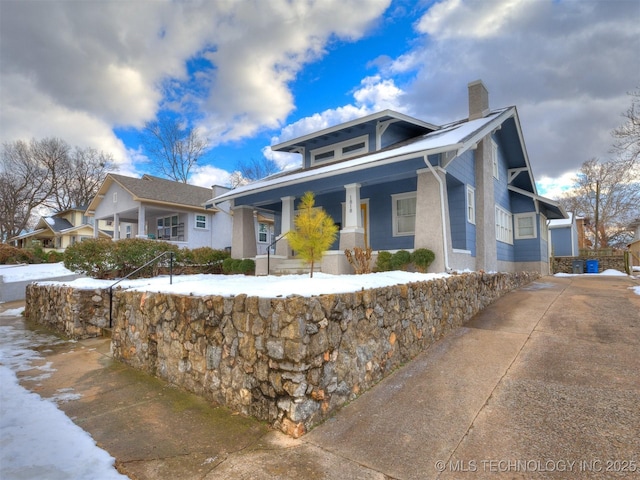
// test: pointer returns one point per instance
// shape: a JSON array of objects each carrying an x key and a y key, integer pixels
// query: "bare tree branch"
[{"x": 175, "y": 149}]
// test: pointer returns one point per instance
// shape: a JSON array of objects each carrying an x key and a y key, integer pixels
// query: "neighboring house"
[
  {"x": 58, "y": 231},
  {"x": 634, "y": 246},
  {"x": 156, "y": 208},
  {"x": 464, "y": 190},
  {"x": 564, "y": 236}
]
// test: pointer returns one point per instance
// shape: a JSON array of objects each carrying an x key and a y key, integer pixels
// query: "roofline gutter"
[
  {"x": 321, "y": 175},
  {"x": 443, "y": 213}
]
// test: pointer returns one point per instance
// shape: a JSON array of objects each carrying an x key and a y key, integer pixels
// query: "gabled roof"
[
  {"x": 457, "y": 137},
  {"x": 399, "y": 119},
  {"x": 155, "y": 190},
  {"x": 54, "y": 223}
]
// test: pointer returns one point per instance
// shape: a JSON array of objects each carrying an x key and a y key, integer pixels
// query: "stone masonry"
[{"x": 289, "y": 361}]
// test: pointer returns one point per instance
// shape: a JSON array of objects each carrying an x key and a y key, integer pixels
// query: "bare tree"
[
  {"x": 79, "y": 177},
  {"x": 254, "y": 169},
  {"x": 46, "y": 173},
  {"x": 174, "y": 148},
  {"x": 627, "y": 144},
  {"x": 608, "y": 194},
  {"x": 24, "y": 186}
]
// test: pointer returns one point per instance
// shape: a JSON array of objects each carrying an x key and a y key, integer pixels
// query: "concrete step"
[{"x": 295, "y": 266}]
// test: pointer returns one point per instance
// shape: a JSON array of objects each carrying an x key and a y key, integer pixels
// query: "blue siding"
[
  {"x": 381, "y": 217},
  {"x": 463, "y": 168},
  {"x": 456, "y": 192},
  {"x": 561, "y": 240}
]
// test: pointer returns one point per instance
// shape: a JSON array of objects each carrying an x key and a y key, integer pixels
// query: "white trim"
[
  {"x": 337, "y": 150},
  {"x": 394, "y": 215},
  {"x": 470, "y": 204},
  {"x": 458, "y": 250},
  {"x": 195, "y": 221},
  {"x": 504, "y": 225},
  {"x": 516, "y": 225},
  {"x": 495, "y": 160}
]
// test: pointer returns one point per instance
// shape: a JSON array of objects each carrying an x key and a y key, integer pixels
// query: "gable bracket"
[
  {"x": 514, "y": 172},
  {"x": 381, "y": 127}
]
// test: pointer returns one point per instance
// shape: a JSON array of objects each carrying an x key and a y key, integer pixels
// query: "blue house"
[
  {"x": 564, "y": 236},
  {"x": 465, "y": 190}
]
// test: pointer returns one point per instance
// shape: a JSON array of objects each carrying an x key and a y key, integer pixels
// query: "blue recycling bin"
[{"x": 592, "y": 266}]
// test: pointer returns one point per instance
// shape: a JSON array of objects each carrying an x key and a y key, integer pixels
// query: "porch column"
[
  {"x": 288, "y": 215},
  {"x": 486, "y": 252},
  {"x": 432, "y": 220},
  {"x": 116, "y": 226},
  {"x": 352, "y": 233},
  {"x": 243, "y": 236},
  {"x": 142, "y": 231},
  {"x": 96, "y": 230}
]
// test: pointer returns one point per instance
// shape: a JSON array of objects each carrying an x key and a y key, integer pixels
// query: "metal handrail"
[
  {"x": 134, "y": 272},
  {"x": 278, "y": 238}
]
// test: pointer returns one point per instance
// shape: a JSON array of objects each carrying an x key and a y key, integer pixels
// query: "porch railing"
[
  {"x": 269, "y": 251},
  {"x": 134, "y": 272}
]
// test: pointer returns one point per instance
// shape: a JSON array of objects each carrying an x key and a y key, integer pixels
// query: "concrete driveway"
[{"x": 542, "y": 384}]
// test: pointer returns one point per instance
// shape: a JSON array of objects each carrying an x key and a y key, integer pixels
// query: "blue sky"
[{"x": 250, "y": 73}]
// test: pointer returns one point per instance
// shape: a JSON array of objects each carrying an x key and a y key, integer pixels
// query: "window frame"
[
  {"x": 205, "y": 221},
  {"x": 504, "y": 225},
  {"x": 517, "y": 229},
  {"x": 338, "y": 150},
  {"x": 471, "y": 205},
  {"x": 394, "y": 212},
  {"x": 495, "y": 160},
  {"x": 263, "y": 231}
]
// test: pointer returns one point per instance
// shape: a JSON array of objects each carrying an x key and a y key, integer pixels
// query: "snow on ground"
[
  {"x": 607, "y": 273},
  {"x": 37, "y": 439},
  {"x": 18, "y": 273}
]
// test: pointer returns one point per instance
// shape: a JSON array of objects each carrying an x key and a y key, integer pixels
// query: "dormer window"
[{"x": 340, "y": 151}]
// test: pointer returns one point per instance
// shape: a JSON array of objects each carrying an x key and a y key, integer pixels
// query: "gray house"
[
  {"x": 465, "y": 190},
  {"x": 156, "y": 208}
]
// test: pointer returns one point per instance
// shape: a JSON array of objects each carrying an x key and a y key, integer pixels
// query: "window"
[
  {"x": 128, "y": 230},
  {"x": 494, "y": 160},
  {"x": 504, "y": 229},
  {"x": 115, "y": 197},
  {"x": 471, "y": 204},
  {"x": 168, "y": 227},
  {"x": 404, "y": 213},
  {"x": 262, "y": 232},
  {"x": 337, "y": 151},
  {"x": 201, "y": 221},
  {"x": 525, "y": 225}
]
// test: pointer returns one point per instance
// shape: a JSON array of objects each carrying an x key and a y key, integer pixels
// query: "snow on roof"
[
  {"x": 450, "y": 137},
  {"x": 562, "y": 222}
]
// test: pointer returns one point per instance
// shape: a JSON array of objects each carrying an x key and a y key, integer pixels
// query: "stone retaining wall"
[
  {"x": 290, "y": 361},
  {"x": 565, "y": 264}
]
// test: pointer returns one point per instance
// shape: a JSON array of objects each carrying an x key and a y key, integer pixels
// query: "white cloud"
[
  {"x": 91, "y": 66},
  {"x": 566, "y": 66},
  {"x": 208, "y": 175}
]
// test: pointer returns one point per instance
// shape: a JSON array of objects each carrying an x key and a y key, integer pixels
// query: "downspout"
[{"x": 443, "y": 213}]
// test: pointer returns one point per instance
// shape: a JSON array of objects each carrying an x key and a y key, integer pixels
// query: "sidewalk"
[{"x": 541, "y": 384}]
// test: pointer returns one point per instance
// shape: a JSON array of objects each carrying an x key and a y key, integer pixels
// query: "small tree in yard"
[{"x": 314, "y": 231}]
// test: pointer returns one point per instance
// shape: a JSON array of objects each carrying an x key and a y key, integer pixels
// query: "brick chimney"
[{"x": 478, "y": 100}]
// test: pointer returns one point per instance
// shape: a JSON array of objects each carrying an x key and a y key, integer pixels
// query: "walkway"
[{"x": 542, "y": 384}]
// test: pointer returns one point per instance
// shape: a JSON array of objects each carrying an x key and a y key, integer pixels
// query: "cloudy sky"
[{"x": 251, "y": 73}]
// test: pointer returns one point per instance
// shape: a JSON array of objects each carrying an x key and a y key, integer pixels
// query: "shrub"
[
  {"x": 247, "y": 266},
  {"x": 422, "y": 258},
  {"x": 54, "y": 257},
  {"x": 383, "y": 264},
  {"x": 400, "y": 260},
  {"x": 230, "y": 265},
  {"x": 92, "y": 257},
  {"x": 360, "y": 259},
  {"x": 11, "y": 255},
  {"x": 208, "y": 257}
]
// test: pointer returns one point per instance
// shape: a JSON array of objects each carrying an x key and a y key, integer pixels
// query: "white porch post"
[
  {"x": 116, "y": 226},
  {"x": 142, "y": 231},
  {"x": 288, "y": 215},
  {"x": 352, "y": 233},
  {"x": 96, "y": 230}
]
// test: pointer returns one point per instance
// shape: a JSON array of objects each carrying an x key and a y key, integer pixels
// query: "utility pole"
[{"x": 597, "y": 213}]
